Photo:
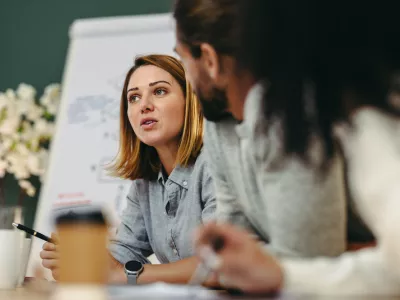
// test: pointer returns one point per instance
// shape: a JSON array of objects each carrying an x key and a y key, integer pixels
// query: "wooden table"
[{"x": 22, "y": 294}]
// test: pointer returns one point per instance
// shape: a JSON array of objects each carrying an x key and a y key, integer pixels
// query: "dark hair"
[
  {"x": 322, "y": 60},
  {"x": 207, "y": 21}
]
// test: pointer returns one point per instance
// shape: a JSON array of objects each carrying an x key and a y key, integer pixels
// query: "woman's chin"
[
  {"x": 158, "y": 139},
  {"x": 154, "y": 142}
]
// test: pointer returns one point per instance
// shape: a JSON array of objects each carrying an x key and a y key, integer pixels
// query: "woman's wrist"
[{"x": 145, "y": 276}]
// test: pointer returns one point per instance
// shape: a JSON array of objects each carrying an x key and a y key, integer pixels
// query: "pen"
[
  {"x": 205, "y": 268},
  {"x": 32, "y": 232}
]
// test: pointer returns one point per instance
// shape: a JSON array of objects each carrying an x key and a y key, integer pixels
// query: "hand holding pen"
[
  {"x": 209, "y": 261},
  {"x": 240, "y": 262},
  {"x": 50, "y": 256}
]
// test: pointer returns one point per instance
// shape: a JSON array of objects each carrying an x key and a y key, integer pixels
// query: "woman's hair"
[
  {"x": 321, "y": 61},
  {"x": 138, "y": 160}
]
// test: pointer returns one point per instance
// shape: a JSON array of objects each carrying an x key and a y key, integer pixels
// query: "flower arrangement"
[{"x": 26, "y": 129}]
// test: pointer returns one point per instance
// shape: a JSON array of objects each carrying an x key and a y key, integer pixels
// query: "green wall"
[{"x": 34, "y": 41}]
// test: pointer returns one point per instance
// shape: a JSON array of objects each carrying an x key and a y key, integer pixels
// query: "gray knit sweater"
[{"x": 288, "y": 205}]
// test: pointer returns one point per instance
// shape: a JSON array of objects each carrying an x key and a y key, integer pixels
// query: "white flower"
[
  {"x": 23, "y": 126},
  {"x": 52, "y": 108},
  {"x": 26, "y": 92},
  {"x": 9, "y": 125},
  {"x": 15, "y": 136},
  {"x": 27, "y": 187},
  {"x": 36, "y": 163},
  {"x": 26, "y": 98},
  {"x": 40, "y": 127},
  {"x": 44, "y": 128},
  {"x": 19, "y": 170},
  {"x": 33, "y": 164},
  {"x": 51, "y": 129},
  {"x": 11, "y": 118},
  {"x": 44, "y": 157},
  {"x": 3, "y": 168},
  {"x": 34, "y": 143},
  {"x": 53, "y": 90},
  {"x": 27, "y": 132},
  {"x": 51, "y": 98},
  {"x": 3, "y": 149},
  {"x": 42, "y": 177},
  {"x": 13, "y": 158},
  {"x": 23, "y": 106},
  {"x": 4, "y": 101},
  {"x": 17, "y": 165},
  {"x": 6, "y": 144},
  {"x": 34, "y": 112},
  {"x": 10, "y": 94},
  {"x": 11, "y": 107},
  {"x": 21, "y": 149}
]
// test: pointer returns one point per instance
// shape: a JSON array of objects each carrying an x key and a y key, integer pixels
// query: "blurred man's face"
[{"x": 213, "y": 99}]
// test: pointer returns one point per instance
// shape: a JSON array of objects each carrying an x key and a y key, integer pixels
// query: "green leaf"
[
  {"x": 13, "y": 146},
  {"x": 3, "y": 114},
  {"x": 47, "y": 115}
]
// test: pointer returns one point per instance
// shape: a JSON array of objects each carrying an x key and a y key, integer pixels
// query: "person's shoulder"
[
  {"x": 373, "y": 129},
  {"x": 371, "y": 117},
  {"x": 214, "y": 130},
  {"x": 201, "y": 160},
  {"x": 368, "y": 123},
  {"x": 139, "y": 182},
  {"x": 200, "y": 166},
  {"x": 220, "y": 137},
  {"x": 139, "y": 185}
]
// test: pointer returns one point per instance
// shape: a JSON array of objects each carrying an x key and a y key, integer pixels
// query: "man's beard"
[{"x": 214, "y": 107}]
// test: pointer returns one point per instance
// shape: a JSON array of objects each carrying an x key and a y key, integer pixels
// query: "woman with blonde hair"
[{"x": 161, "y": 137}]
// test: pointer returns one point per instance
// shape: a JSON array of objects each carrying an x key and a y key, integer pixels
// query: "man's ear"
[{"x": 210, "y": 60}]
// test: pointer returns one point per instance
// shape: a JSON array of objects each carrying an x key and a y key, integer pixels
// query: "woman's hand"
[
  {"x": 241, "y": 263},
  {"x": 50, "y": 256}
]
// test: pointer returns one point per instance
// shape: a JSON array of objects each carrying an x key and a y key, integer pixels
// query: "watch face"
[{"x": 133, "y": 266}]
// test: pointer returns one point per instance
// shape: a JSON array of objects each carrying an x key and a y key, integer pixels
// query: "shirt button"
[
  {"x": 184, "y": 183},
  {"x": 175, "y": 252}
]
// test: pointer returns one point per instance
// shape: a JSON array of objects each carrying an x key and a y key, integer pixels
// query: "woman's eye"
[
  {"x": 133, "y": 98},
  {"x": 160, "y": 92}
]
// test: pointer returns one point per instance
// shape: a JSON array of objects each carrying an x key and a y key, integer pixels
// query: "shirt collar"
[
  {"x": 161, "y": 178},
  {"x": 253, "y": 109},
  {"x": 179, "y": 175}
]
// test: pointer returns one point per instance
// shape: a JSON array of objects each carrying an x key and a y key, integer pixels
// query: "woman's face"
[{"x": 156, "y": 106}]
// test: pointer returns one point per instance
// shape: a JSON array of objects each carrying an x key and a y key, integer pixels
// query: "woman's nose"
[{"x": 146, "y": 104}]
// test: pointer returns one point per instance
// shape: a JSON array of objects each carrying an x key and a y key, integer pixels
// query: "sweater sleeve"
[
  {"x": 372, "y": 152},
  {"x": 353, "y": 273}
]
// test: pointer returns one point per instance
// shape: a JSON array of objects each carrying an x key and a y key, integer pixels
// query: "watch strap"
[{"x": 132, "y": 278}]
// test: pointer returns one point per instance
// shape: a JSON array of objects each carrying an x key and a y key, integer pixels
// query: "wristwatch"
[{"x": 133, "y": 269}]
